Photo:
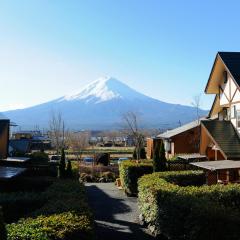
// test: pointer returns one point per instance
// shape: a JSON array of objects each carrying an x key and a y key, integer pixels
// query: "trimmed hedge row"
[
  {"x": 64, "y": 216},
  {"x": 19, "y": 204},
  {"x": 189, "y": 212},
  {"x": 130, "y": 172}
]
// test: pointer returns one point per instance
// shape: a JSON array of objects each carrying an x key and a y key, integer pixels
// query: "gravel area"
[{"x": 116, "y": 215}]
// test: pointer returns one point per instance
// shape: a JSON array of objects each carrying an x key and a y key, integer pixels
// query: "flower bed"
[{"x": 177, "y": 205}]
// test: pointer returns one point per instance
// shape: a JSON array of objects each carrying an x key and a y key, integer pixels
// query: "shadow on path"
[{"x": 116, "y": 215}]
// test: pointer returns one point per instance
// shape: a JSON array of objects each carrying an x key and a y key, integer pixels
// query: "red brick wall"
[{"x": 151, "y": 143}]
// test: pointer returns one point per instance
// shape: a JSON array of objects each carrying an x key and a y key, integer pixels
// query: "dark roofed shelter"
[{"x": 221, "y": 171}]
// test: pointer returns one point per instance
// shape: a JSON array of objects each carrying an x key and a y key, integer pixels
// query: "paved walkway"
[{"x": 115, "y": 214}]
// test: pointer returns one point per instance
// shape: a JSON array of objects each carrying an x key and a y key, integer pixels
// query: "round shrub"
[{"x": 39, "y": 157}]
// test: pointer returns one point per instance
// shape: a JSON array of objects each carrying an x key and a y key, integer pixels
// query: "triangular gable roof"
[
  {"x": 176, "y": 131},
  {"x": 231, "y": 62}
]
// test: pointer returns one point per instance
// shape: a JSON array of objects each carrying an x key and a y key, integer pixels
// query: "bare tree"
[
  {"x": 78, "y": 142},
  {"x": 132, "y": 128},
  {"x": 195, "y": 140},
  {"x": 196, "y": 103},
  {"x": 57, "y": 130}
]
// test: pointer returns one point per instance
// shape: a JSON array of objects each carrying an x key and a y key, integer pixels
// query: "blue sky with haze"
[{"x": 164, "y": 49}]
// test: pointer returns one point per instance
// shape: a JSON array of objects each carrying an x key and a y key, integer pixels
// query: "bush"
[
  {"x": 62, "y": 165},
  {"x": 143, "y": 154},
  {"x": 107, "y": 177},
  {"x": 69, "y": 226},
  {"x": 130, "y": 172},
  {"x": 18, "y": 204},
  {"x": 39, "y": 157},
  {"x": 75, "y": 169},
  {"x": 192, "y": 212},
  {"x": 162, "y": 157},
  {"x": 64, "y": 216},
  {"x": 69, "y": 172},
  {"x": 103, "y": 158},
  {"x": 156, "y": 158},
  {"x": 134, "y": 156}
]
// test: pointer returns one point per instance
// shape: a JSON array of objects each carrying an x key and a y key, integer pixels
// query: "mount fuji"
[{"x": 101, "y": 105}]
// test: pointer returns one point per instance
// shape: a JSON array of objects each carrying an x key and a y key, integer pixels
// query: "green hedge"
[
  {"x": 192, "y": 212},
  {"x": 130, "y": 172},
  {"x": 19, "y": 204},
  {"x": 39, "y": 157},
  {"x": 64, "y": 216}
]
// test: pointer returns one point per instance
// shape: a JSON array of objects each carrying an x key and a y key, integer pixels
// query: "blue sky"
[{"x": 164, "y": 49}]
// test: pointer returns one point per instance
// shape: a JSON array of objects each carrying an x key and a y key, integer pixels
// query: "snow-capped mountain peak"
[
  {"x": 101, "y": 90},
  {"x": 101, "y": 105}
]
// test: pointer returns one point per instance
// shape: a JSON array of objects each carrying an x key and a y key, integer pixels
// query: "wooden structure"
[
  {"x": 220, "y": 133},
  {"x": 4, "y": 138},
  {"x": 184, "y": 139},
  {"x": 222, "y": 171},
  {"x": 192, "y": 157}
]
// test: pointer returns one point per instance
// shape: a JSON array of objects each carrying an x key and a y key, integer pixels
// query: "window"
[
  {"x": 233, "y": 111},
  {"x": 238, "y": 119}
]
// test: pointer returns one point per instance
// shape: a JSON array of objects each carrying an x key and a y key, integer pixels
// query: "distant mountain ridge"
[{"x": 101, "y": 104}]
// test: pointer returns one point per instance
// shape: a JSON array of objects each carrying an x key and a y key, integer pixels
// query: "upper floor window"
[
  {"x": 238, "y": 119},
  {"x": 233, "y": 111}
]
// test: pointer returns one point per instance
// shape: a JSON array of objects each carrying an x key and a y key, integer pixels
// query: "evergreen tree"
[
  {"x": 69, "y": 172},
  {"x": 156, "y": 159},
  {"x": 62, "y": 165},
  {"x": 134, "y": 154},
  {"x": 143, "y": 153},
  {"x": 162, "y": 157},
  {"x": 3, "y": 231}
]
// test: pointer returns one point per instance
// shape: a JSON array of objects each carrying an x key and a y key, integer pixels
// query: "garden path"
[{"x": 116, "y": 215}]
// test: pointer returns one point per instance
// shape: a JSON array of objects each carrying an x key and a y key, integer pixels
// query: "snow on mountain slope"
[
  {"x": 103, "y": 89},
  {"x": 101, "y": 104}
]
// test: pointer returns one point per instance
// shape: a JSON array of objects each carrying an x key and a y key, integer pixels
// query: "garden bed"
[
  {"x": 98, "y": 173},
  {"x": 179, "y": 206}
]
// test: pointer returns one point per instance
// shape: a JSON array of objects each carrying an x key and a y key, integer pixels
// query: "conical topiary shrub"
[
  {"x": 156, "y": 158},
  {"x": 134, "y": 154},
  {"x": 143, "y": 153},
  {"x": 62, "y": 165},
  {"x": 162, "y": 156},
  {"x": 69, "y": 172}
]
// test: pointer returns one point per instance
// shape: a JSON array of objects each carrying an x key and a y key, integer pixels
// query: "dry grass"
[{"x": 97, "y": 170}]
